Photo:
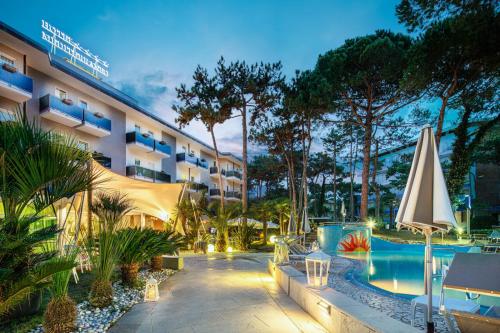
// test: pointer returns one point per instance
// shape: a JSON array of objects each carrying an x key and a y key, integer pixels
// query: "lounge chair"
[
  {"x": 297, "y": 251},
  {"x": 474, "y": 323},
  {"x": 445, "y": 305}
]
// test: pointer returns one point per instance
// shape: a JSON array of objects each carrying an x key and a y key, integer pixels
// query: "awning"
[
  {"x": 154, "y": 199},
  {"x": 474, "y": 272}
]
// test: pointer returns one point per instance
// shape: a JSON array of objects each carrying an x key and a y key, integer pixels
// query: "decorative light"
[
  {"x": 272, "y": 239},
  {"x": 229, "y": 249},
  {"x": 370, "y": 223},
  {"x": 317, "y": 268},
  {"x": 460, "y": 230},
  {"x": 211, "y": 248},
  {"x": 281, "y": 256},
  {"x": 151, "y": 294}
]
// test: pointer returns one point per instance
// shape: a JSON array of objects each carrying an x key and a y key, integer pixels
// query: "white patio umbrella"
[
  {"x": 343, "y": 211},
  {"x": 306, "y": 227},
  {"x": 425, "y": 206}
]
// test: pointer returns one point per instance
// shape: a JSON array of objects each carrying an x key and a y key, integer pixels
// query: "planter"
[
  {"x": 67, "y": 101},
  {"x": 173, "y": 262},
  {"x": 28, "y": 307},
  {"x": 9, "y": 68}
]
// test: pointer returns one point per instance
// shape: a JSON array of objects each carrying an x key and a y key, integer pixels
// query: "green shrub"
[{"x": 483, "y": 222}]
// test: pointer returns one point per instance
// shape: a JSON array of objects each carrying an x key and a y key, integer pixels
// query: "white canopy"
[
  {"x": 425, "y": 203},
  {"x": 257, "y": 224},
  {"x": 155, "y": 199}
]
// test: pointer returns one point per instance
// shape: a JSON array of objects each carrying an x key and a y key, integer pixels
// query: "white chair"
[{"x": 445, "y": 305}]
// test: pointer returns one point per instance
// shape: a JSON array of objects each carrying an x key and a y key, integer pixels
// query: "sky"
[{"x": 154, "y": 46}]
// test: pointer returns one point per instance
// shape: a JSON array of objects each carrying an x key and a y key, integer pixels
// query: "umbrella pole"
[{"x": 428, "y": 279}]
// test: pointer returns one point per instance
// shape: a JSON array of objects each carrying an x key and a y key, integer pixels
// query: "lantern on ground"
[
  {"x": 317, "y": 267},
  {"x": 211, "y": 248},
  {"x": 151, "y": 294},
  {"x": 280, "y": 252}
]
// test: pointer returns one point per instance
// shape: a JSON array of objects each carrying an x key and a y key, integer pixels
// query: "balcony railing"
[
  {"x": 214, "y": 171},
  {"x": 141, "y": 172},
  {"x": 102, "y": 160},
  {"x": 96, "y": 120},
  {"x": 163, "y": 147},
  {"x": 49, "y": 103},
  {"x": 234, "y": 174},
  {"x": 213, "y": 192},
  {"x": 232, "y": 195},
  {"x": 183, "y": 157},
  {"x": 140, "y": 139},
  {"x": 16, "y": 86},
  {"x": 194, "y": 186}
]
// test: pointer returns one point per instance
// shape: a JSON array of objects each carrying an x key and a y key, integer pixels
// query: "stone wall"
[{"x": 336, "y": 312}]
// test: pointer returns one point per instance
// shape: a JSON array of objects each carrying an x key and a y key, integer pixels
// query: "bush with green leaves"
[{"x": 37, "y": 169}]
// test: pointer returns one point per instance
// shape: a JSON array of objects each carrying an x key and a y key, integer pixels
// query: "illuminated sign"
[{"x": 78, "y": 55}]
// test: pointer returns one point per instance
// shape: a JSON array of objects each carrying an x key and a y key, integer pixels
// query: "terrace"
[{"x": 14, "y": 85}]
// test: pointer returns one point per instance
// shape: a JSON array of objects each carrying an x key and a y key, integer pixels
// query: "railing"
[
  {"x": 138, "y": 171},
  {"x": 17, "y": 80},
  {"x": 214, "y": 171},
  {"x": 193, "y": 186},
  {"x": 233, "y": 194},
  {"x": 52, "y": 102},
  {"x": 163, "y": 147},
  {"x": 136, "y": 137},
  {"x": 93, "y": 119},
  {"x": 233, "y": 173},
  {"x": 102, "y": 160},
  {"x": 183, "y": 157},
  {"x": 214, "y": 192}
]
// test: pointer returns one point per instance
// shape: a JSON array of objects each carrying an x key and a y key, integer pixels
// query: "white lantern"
[
  {"x": 281, "y": 252},
  {"x": 151, "y": 294},
  {"x": 317, "y": 267}
]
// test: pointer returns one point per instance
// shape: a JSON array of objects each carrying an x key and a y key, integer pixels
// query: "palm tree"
[
  {"x": 105, "y": 252},
  {"x": 37, "y": 169}
]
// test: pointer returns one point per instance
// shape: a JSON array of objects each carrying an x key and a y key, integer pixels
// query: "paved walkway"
[{"x": 219, "y": 294}]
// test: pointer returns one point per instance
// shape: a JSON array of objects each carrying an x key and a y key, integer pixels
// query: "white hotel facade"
[{"x": 122, "y": 135}]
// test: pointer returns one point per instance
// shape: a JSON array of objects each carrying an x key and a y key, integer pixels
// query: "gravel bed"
[{"x": 96, "y": 320}]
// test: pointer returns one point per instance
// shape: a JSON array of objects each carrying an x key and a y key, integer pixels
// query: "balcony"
[
  {"x": 138, "y": 172},
  {"x": 232, "y": 195},
  {"x": 14, "y": 85},
  {"x": 214, "y": 172},
  {"x": 63, "y": 112},
  {"x": 191, "y": 160},
  {"x": 140, "y": 142},
  {"x": 214, "y": 193},
  {"x": 193, "y": 186},
  {"x": 95, "y": 124},
  {"x": 162, "y": 149},
  {"x": 102, "y": 160},
  {"x": 233, "y": 175}
]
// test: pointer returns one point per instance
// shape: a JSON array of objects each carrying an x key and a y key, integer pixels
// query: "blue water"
[{"x": 399, "y": 268}]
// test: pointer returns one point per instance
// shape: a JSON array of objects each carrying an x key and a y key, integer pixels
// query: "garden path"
[{"x": 219, "y": 293}]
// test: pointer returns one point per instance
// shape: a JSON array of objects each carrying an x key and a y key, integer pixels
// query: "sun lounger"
[{"x": 473, "y": 323}]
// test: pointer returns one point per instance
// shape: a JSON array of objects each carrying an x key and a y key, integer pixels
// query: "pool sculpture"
[{"x": 354, "y": 242}]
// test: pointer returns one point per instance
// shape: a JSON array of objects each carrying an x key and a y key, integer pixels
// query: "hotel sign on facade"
[{"x": 79, "y": 56}]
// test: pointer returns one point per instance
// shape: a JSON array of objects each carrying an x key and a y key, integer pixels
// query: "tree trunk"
[
  {"x": 335, "y": 181},
  {"x": 365, "y": 175},
  {"x": 352, "y": 168},
  {"x": 374, "y": 181},
  {"x": 219, "y": 170},
  {"x": 439, "y": 129},
  {"x": 244, "y": 193},
  {"x": 264, "y": 232}
]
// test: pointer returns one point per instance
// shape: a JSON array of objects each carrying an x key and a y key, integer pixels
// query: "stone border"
[{"x": 335, "y": 311}]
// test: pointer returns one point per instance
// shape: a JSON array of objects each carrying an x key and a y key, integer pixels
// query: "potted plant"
[
  {"x": 67, "y": 101},
  {"x": 9, "y": 68}
]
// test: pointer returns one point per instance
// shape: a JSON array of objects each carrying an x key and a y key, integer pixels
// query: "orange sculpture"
[{"x": 354, "y": 243}]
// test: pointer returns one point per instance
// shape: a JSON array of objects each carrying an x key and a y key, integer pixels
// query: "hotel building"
[{"x": 122, "y": 136}]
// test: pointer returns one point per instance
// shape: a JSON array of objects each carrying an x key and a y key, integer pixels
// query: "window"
[
  {"x": 61, "y": 94},
  {"x": 151, "y": 134},
  {"x": 84, "y": 105},
  {"x": 83, "y": 145},
  {"x": 4, "y": 59},
  {"x": 137, "y": 128},
  {"x": 137, "y": 162},
  {"x": 192, "y": 179}
]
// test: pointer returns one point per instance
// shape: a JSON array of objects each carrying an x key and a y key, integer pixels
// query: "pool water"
[{"x": 402, "y": 273}]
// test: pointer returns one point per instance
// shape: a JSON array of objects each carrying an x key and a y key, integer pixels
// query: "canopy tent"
[
  {"x": 155, "y": 199},
  {"x": 257, "y": 224},
  {"x": 425, "y": 206}
]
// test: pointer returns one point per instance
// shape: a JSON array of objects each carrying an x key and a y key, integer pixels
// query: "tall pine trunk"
[
  {"x": 335, "y": 181},
  {"x": 244, "y": 192},
  {"x": 219, "y": 170},
  {"x": 365, "y": 175}
]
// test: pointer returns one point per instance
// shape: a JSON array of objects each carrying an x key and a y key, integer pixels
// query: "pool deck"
[{"x": 220, "y": 293}]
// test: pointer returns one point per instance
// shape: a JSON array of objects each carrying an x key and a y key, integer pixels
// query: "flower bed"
[{"x": 98, "y": 320}]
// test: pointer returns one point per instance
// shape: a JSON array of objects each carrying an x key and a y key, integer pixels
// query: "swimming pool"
[{"x": 397, "y": 268}]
